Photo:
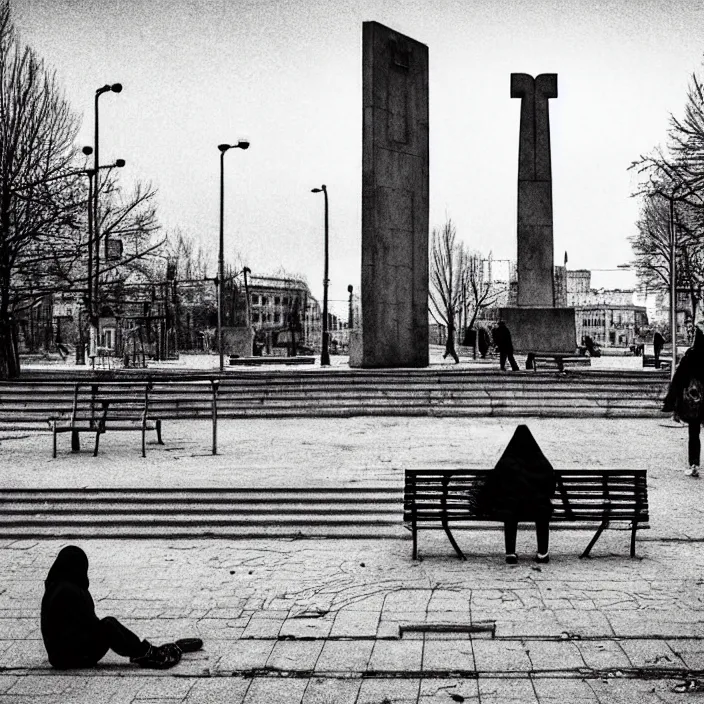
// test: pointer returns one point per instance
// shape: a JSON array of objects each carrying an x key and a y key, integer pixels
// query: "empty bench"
[
  {"x": 99, "y": 407},
  {"x": 439, "y": 499},
  {"x": 556, "y": 359}
]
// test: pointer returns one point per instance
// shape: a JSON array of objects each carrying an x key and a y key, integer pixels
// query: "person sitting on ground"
[
  {"x": 684, "y": 397},
  {"x": 75, "y": 637},
  {"x": 520, "y": 488}
]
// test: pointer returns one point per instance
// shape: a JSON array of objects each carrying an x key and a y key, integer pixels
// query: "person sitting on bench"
[
  {"x": 75, "y": 637},
  {"x": 520, "y": 488}
]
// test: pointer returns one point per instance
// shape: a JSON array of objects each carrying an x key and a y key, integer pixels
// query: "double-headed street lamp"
[
  {"x": 241, "y": 144},
  {"x": 107, "y": 88},
  {"x": 324, "y": 353},
  {"x": 93, "y": 241}
]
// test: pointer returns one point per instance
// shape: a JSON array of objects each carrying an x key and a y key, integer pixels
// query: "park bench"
[
  {"x": 112, "y": 406},
  {"x": 556, "y": 359},
  {"x": 438, "y": 499}
]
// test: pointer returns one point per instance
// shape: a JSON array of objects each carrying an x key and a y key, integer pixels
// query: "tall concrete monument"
[
  {"x": 536, "y": 325},
  {"x": 394, "y": 201}
]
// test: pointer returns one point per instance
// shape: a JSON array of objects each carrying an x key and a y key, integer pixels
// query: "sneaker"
[
  {"x": 693, "y": 471},
  {"x": 159, "y": 657},
  {"x": 189, "y": 645},
  {"x": 542, "y": 559},
  {"x": 511, "y": 559}
]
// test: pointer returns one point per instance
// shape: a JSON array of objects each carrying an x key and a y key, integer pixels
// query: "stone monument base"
[
  {"x": 541, "y": 329},
  {"x": 355, "y": 348},
  {"x": 237, "y": 341}
]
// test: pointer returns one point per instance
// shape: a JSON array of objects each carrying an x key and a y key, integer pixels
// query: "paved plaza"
[{"x": 358, "y": 620}]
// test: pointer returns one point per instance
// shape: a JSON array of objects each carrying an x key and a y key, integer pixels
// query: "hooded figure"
[
  {"x": 684, "y": 397},
  {"x": 520, "y": 488},
  {"x": 74, "y": 636}
]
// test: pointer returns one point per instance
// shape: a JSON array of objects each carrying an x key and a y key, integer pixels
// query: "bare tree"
[
  {"x": 37, "y": 130},
  {"x": 671, "y": 222},
  {"x": 446, "y": 275}
]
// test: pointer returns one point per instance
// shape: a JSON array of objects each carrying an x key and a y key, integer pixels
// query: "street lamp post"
[
  {"x": 350, "y": 310},
  {"x": 114, "y": 88},
  {"x": 673, "y": 287},
  {"x": 241, "y": 144},
  {"x": 324, "y": 353}
]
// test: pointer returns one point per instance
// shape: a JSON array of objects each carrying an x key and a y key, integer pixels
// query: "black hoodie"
[
  {"x": 522, "y": 483},
  {"x": 68, "y": 621},
  {"x": 691, "y": 366}
]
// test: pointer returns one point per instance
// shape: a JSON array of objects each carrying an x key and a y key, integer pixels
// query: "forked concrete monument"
[
  {"x": 394, "y": 201},
  {"x": 536, "y": 325}
]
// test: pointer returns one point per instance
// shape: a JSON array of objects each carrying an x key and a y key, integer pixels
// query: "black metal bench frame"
[
  {"x": 92, "y": 415},
  {"x": 434, "y": 498},
  {"x": 559, "y": 358}
]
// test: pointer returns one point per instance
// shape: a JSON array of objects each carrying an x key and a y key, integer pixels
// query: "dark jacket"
[
  {"x": 68, "y": 622},
  {"x": 522, "y": 483},
  {"x": 691, "y": 366},
  {"x": 502, "y": 338},
  {"x": 658, "y": 342}
]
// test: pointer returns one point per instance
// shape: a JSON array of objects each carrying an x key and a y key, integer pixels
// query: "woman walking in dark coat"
[
  {"x": 684, "y": 397},
  {"x": 75, "y": 637},
  {"x": 520, "y": 488}
]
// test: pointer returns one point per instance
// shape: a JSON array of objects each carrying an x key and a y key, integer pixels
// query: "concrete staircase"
[
  {"x": 374, "y": 512},
  {"x": 426, "y": 392}
]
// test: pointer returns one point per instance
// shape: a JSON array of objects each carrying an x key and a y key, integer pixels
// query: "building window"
[
  {"x": 277, "y": 301},
  {"x": 69, "y": 311},
  {"x": 285, "y": 301},
  {"x": 255, "y": 299},
  {"x": 255, "y": 317},
  {"x": 277, "y": 317},
  {"x": 268, "y": 317},
  {"x": 265, "y": 300}
]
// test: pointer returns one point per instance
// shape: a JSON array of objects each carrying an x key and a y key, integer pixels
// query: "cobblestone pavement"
[{"x": 358, "y": 620}]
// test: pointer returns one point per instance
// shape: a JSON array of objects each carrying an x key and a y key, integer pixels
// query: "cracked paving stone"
[
  {"x": 396, "y": 656},
  {"x": 332, "y": 691},
  {"x": 448, "y": 655},
  {"x": 295, "y": 655},
  {"x": 245, "y": 655},
  {"x": 603, "y": 655},
  {"x": 551, "y": 655},
  {"x": 262, "y": 628},
  {"x": 355, "y": 624},
  {"x": 218, "y": 690},
  {"x": 500, "y": 656},
  {"x": 651, "y": 653},
  {"x": 345, "y": 656},
  {"x": 389, "y": 691},
  {"x": 690, "y": 651},
  {"x": 306, "y": 628},
  {"x": 496, "y": 691},
  {"x": 562, "y": 691},
  {"x": 271, "y": 690},
  {"x": 448, "y": 691},
  {"x": 165, "y": 687}
]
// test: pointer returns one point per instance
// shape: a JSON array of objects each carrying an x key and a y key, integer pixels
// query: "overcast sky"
[{"x": 287, "y": 75}]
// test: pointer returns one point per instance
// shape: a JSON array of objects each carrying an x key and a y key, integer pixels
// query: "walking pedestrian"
[
  {"x": 684, "y": 397},
  {"x": 520, "y": 488},
  {"x": 483, "y": 342},
  {"x": 503, "y": 342},
  {"x": 75, "y": 637},
  {"x": 658, "y": 344}
]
